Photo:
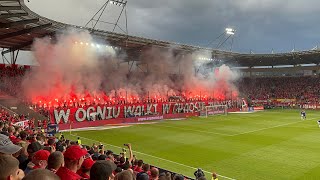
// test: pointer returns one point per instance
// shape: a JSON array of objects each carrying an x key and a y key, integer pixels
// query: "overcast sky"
[{"x": 262, "y": 25}]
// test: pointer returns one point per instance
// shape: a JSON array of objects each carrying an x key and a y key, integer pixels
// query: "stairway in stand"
[{"x": 14, "y": 105}]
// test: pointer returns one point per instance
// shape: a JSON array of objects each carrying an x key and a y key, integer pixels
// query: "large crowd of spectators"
[
  {"x": 27, "y": 153},
  {"x": 14, "y": 119},
  {"x": 305, "y": 89},
  {"x": 302, "y": 88},
  {"x": 11, "y": 78},
  {"x": 6, "y": 116}
]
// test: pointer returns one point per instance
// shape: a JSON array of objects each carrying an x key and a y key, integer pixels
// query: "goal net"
[{"x": 214, "y": 110}]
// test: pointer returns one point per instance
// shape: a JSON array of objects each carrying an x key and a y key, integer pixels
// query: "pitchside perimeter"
[{"x": 262, "y": 145}]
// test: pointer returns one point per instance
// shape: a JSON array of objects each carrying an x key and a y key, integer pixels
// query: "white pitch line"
[
  {"x": 226, "y": 177},
  {"x": 208, "y": 132},
  {"x": 99, "y": 128},
  {"x": 247, "y": 132}
]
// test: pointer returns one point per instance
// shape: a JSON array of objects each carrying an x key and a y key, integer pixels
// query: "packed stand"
[
  {"x": 33, "y": 154},
  {"x": 14, "y": 119},
  {"x": 301, "y": 88},
  {"x": 304, "y": 89},
  {"x": 11, "y": 78}
]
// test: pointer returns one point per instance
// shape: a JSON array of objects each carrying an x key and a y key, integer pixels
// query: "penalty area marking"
[{"x": 226, "y": 177}]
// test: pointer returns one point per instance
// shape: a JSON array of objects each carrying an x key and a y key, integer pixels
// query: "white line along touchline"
[{"x": 226, "y": 177}]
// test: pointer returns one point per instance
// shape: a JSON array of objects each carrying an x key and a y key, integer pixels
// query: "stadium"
[{"x": 102, "y": 104}]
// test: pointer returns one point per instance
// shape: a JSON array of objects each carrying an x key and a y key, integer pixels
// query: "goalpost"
[{"x": 215, "y": 110}]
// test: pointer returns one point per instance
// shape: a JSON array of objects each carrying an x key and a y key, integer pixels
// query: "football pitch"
[{"x": 273, "y": 144}]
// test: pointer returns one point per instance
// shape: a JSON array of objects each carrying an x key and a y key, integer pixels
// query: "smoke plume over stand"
[{"x": 76, "y": 69}]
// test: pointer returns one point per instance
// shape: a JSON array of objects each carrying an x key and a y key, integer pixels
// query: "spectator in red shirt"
[
  {"x": 84, "y": 171},
  {"x": 40, "y": 159},
  {"x": 138, "y": 167},
  {"x": 11, "y": 131},
  {"x": 73, "y": 159},
  {"x": 45, "y": 124},
  {"x": 146, "y": 169},
  {"x": 55, "y": 161},
  {"x": 32, "y": 149},
  {"x": 154, "y": 173},
  {"x": 145, "y": 174}
]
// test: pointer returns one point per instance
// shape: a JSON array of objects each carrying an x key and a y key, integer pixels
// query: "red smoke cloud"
[{"x": 72, "y": 70}]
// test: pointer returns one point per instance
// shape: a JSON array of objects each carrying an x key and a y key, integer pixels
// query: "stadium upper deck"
[{"x": 19, "y": 26}]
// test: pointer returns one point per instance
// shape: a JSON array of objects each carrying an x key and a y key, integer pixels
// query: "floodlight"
[
  {"x": 92, "y": 44},
  {"x": 118, "y": 2},
  {"x": 230, "y": 31}
]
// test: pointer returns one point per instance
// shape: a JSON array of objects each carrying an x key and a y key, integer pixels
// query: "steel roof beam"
[
  {"x": 17, "y": 47},
  {"x": 28, "y": 43},
  {"x": 17, "y": 23},
  {"x": 8, "y": 8},
  {"x": 10, "y": 15},
  {"x": 24, "y": 31}
]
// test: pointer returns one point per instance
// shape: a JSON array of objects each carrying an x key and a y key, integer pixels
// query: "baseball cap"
[
  {"x": 102, "y": 169},
  {"x": 87, "y": 163},
  {"x": 6, "y": 145},
  {"x": 42, "y": 155},
  {"x": 74, "y": 152}
]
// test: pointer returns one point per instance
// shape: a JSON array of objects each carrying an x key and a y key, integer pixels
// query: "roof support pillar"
[{"x": 13, "y": 57}]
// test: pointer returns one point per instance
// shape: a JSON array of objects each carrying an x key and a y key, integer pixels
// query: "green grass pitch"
[{"x": 273, "y": 144}]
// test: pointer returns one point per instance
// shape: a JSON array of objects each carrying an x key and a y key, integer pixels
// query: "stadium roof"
[{"x": 19, "y": 26}]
